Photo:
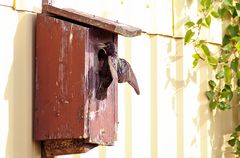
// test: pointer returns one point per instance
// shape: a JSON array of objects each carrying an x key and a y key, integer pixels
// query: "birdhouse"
[{"x": 69, "y": 118}]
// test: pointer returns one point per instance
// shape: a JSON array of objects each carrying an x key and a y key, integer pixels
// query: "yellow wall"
[
  {"x": 16, "y": 58},
  {"x": 169, "y": 119}
]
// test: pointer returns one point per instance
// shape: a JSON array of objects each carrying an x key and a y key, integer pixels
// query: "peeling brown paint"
[
  {"x": 67, "y": 115},
  {"x": 92, "y": 20},
  {"x": 59, "y": 94},
  {"x": 67, "y": 146}
]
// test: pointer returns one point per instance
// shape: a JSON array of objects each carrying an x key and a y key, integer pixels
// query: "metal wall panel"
[
  {"x": 16, "y": 84},
  {"x": 183, "y": 115},
  {"x": 185, "y": 10},
  {"x": 6, "y": 3}
]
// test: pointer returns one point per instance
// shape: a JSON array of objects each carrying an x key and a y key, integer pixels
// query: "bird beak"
[{"x": 101, "y": 45}]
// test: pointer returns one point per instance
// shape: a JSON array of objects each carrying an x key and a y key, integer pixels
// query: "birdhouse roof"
[{"x": 92, "y": 20}]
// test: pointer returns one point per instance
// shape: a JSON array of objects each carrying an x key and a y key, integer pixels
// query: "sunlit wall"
[{"x": 170, "y": 119}]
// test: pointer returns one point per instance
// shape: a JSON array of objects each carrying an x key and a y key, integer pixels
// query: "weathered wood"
[
  {"x": 68, "y": 117},
  {"x": 47, "y": 2},
  {"x": 43, "y": 152},
  {"x": 53, "y": 148},
  {"x": 92, "y": 20}
]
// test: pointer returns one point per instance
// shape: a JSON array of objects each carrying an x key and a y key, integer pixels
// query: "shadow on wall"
[
  {"x": 19, "y": 91},
  {"x": 211, "y": 127},
  {"x": 213, "y": 124}
]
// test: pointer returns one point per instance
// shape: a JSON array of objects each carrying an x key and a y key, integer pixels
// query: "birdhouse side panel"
[{"x": 102, "y": 114}]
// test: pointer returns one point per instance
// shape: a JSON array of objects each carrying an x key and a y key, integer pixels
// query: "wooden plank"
[
  {"x": 92, "y": 20},
  {"x": 59, "y": 94},
  {"x": 51, "y": 148}
]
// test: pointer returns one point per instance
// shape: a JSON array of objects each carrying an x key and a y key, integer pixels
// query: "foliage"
[{"x": 225, "y": 61}]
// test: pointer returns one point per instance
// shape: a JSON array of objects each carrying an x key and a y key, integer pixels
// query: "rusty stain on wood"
[
  {"x": 92, "y": 20},
  {"x": 67, "y": 146}
]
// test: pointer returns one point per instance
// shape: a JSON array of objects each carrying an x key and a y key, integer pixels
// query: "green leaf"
[
  {"x": 224, "y": 94},
  {"x": 212, "y": 60},
  {"x": 199, "y": 21},
  {"x": 201, "y": 42},
  {"x": 238, "y": 83},
  {"x": 205, "y": 50},
  {"x": 227, "y": 74},
  {"x": 224, "y": 57},
  {"x": 238, "y": 9},
  {"x": 213, "y": 105},
  {"x": 228, "y": 47},
  {"x": 234, "y": 64},
  {"x": 202, "y": 2},
  {"x": 220, "y": 75},
  {"x": 233, "y": 30},
  {"x": 228, "y": 2},
  {"x": 227, "y": 87},
  {"x": 232, "y": 142},
  {"x": 221, "y": 11},
  {"x": 196, "y": 56},
  {"x": 230, "y": 96},
  {"x": 188, "y": 36},
  {"x": 238, "y": 145},
  {"x": 215, "y": 14},
  {"x": 195, "y": 62},
  {"x": 236, "y": 38},
  {"x": 208, "y": 21},
  {"x": 238, "y": 75},
  {"x": 234, "y": 135},
  {"x": 223, "y": 106},
  {"x": 232, "y": 11},
  {"x": 206, "y": 3},
  {"x": 205, "y": 25},
  {"x": 238, "y": 91},
  {"x": 238, "y": 46},
  {"x": 237, "y": 129},
  {"x": 226, "y": 40},
  {"x": 212, "y": 84},
  {"x": 227, "y": 94},
  {"x": 189, "y": 24},
  {"x": 210, "y": 95}
]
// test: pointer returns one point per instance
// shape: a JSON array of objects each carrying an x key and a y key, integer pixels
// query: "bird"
[{"x": 111, "y": 67}]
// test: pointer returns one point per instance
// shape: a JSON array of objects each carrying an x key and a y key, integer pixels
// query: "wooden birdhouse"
[{"x": 68, "y": 118}]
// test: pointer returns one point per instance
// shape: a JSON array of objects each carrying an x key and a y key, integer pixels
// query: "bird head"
[{"x": 109, "y": 48}]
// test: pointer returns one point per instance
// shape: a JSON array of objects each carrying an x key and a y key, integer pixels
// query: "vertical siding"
[
  {"x": 102, "y": 152},
  {"x": 16, "y": 55},
  {"x": 179, "y": 99},
  {"x": 169, "y": 119},
  {"x": 154, "y": 100},
  {"x": 28, "y": 5},
  {"x": 128, "y": 107},
  {"x": 141, "y": 127},
  {"x": 185, "y": 10},
  {"x": 166, "y": 97},
  {"x": 6, "y": 3}
]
